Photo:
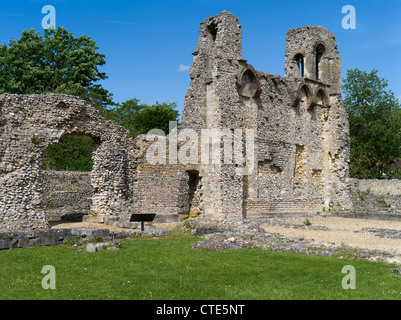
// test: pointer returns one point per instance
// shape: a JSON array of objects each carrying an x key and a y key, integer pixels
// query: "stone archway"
[
  {"x": 67, "y": 188},
  {"x": 29, "y": 125}
]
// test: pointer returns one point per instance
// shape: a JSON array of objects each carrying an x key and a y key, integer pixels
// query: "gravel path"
[
  {"x": 373, "y": 240},
  {"x": 340, "y": 231}
]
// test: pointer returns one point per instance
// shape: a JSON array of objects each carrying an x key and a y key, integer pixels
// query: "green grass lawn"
[{"x": 169, "y": 268}]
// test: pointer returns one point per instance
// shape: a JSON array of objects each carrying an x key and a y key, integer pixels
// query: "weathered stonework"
[
  {"x": 29, "y": 125},
  {"x": 63, "y": 188},
  {"x": 301, "y": 145},
  {"x": 67, "y": 195},
  {"x": 383, "y": 187},
  {"x": 295, "y": 127}
]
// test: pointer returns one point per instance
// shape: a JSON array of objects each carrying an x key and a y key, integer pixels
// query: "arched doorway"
[
  {"x": 190, "y": 195},
  {"x": 67, "y": 188}
]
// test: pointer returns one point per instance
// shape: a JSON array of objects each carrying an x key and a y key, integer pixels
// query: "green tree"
[
  {"x": 157, "y": 116},
  {"x": 140, "y": 118},
  {"x": 56, "y": 62},
  {"x": 68, "y": 155},
  {"x": 126, "y": 114},
  {"x": 374, "y": 122}
]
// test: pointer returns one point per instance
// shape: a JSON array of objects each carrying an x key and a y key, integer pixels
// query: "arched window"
[
  {"x": 249, "y": 85},
  {"x": 302, "y": 95},
  {"x": 299, "y": 58},
  {"x": 319, "y": 98},
  {"x": 212, "y": 29},
  {"x": 246, "y": 86},
  {"x": 319, "y": 53}
]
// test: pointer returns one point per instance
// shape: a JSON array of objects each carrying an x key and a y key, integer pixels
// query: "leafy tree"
[
  {"x": 126, "y": 114},
  {"x": 157, "y": 116},
  {"x": 68, "y": 155},
  {"x": 56, "y": 62},
  {"x": 375, "y": 124},
  {"x": 140, "y": 118}
]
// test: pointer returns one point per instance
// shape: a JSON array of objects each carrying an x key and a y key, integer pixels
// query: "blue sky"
[{"x": 145, "y": 42}]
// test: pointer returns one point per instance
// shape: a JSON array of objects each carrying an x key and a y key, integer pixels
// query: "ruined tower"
[
  {"x": 213, "y": 103},
  {"x": 312, "y": 54},
  {"x": 312, "y": 60},
  {"x": 301, "y": 147}
]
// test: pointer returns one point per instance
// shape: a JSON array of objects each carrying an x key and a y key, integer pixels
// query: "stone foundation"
[{"x": 32, "y": 238}]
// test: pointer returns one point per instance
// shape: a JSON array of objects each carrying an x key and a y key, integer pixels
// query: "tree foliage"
[
  {"x": 375, "y": 124},
  {"x": 139, "y": 118},
  {"x": 55, "y": 62},
  {"x": 71, "y": 153}
]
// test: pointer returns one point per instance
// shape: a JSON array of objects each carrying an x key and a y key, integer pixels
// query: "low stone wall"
[
  {"x": 259, "y": 208},
  {"x": 24, "y": 238},
  {"x": 61, "y": 188},
  {"x": 378, "y": 187}
]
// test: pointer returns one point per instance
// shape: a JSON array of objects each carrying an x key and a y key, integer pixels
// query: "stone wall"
[
  {"x": 48, "y": 237},
  {"x": 160, "y": 187},
  {"x": 382, "y": 187},
  {"x": 67, "y": 195},
  {"x": 61, "y": 188},
  {"x": 29, "y": 124}
]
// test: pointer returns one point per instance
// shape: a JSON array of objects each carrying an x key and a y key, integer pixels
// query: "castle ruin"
[
  {"x": 301, "y": 144},
  {"x": 292, "y": 131}
]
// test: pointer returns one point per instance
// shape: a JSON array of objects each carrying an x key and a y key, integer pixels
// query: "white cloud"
[{"x": 183, "y": 67}]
